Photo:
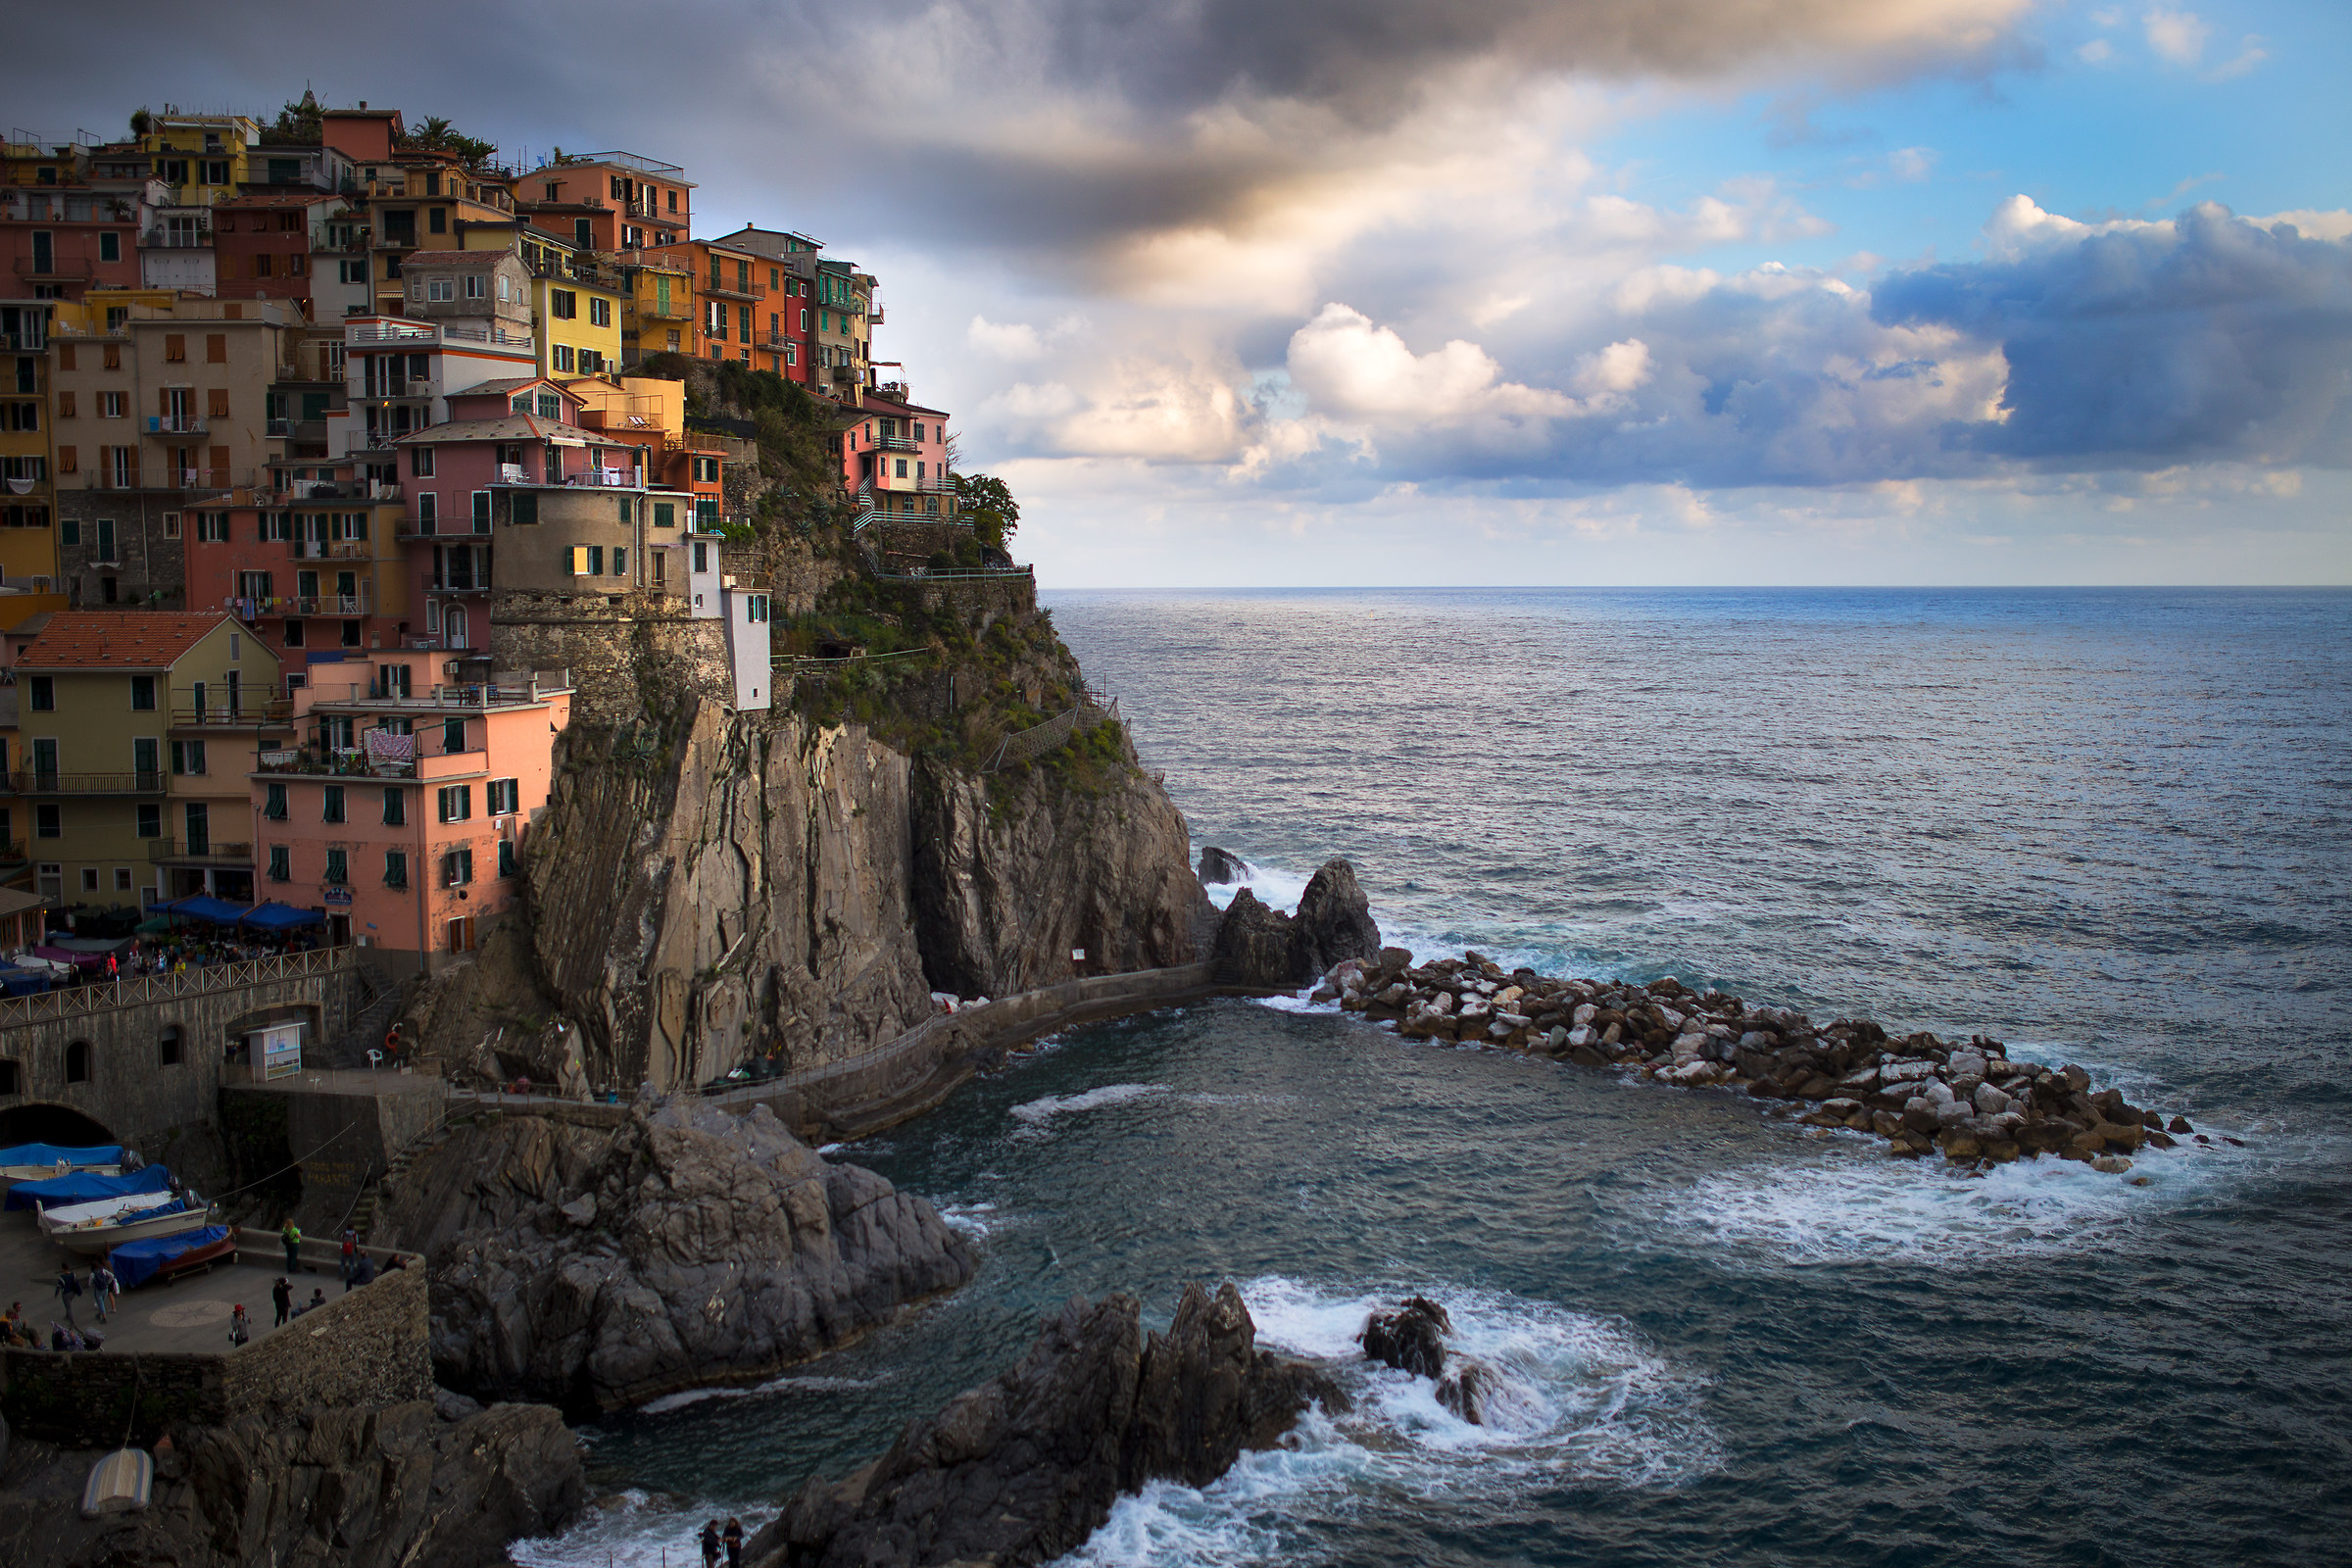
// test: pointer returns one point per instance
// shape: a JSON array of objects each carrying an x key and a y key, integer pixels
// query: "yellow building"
[
  {"x": 28, "y": 574},
  {"x": 430, "y": 202},
  {"x": 657, "y": 314},
  {"x": 127, "y": 753},
  {"x": 204, "y": 158}
]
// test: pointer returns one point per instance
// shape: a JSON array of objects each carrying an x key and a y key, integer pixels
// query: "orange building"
[
  {"x": 613, "y": 201},
  {"x": 402, "y": 811}
]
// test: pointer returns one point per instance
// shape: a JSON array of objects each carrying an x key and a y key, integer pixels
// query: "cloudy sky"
[{"x": 1481, "y": 291}]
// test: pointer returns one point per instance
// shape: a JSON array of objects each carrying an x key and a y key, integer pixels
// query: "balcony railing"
[
  {"x": 59, "y": 266},
  {"x": 166, "y": 478},
  {"x": 677, "y": 310},
  {"x": 288, "y": 489},
  {"x": 738, "y": 290},
  {"x": 37, "y": 782},
  {"x": 895, "y": 443},
  {"x": 200, "y": 851},
  {"x": 176, "y": 425},
  {"x": 263, "y": 713},
  {"x": 12, "y": 850},
  {"x": 162, "y": 238}
]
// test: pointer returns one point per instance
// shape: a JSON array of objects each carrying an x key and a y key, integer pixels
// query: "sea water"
[{"x": 2112, "y": 828}]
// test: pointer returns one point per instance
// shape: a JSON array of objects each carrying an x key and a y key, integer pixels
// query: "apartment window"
[
  {"x": 661, "y": 568},
  {"x": 702, "y": 556},
  {"x": 673, "y": 201},
  {"x": 216, "y": 348},
  {"x": 110, "y": 406},
  {"x": 899, "y": 471},
  {"x": 481, "y": 511},
  {"x": 331, "y": 808},
  {"x": 440, "y": 290},
  {"x": 396, "y": 869},
  {"x": 460, "y": 934},
  {"x": 562, "y": 304},
  {"x": 44, "y": 694},
  {"x": 428, "y": 511},
  {"x": 561, "y": 355},
  {"x": 506, "y": 859},
  {"x": 754, "y": 608},
  {"x": 804, "y": 317},
  {"x": 351, "y": 271},
  {"x": 282, "y": 863},
  {"x": 110, "y": 246},
  {"x": 187, "y": 758},
  {"x": 436, "y": 221},
  {"x": 148, "y": 819},
  {"x": 600, "y": 313},
  {"x": 456, "y": 802},
  {"x": 339, "y": 867},
  {"x": 396, "y": 807},
  {"x": 457, "y": 869},
  {"x": 273, "y": 803},
  {"x": 113, "y": 354},
  {"x": 121, "y": 879},
  {"x": 142, "y": 694},
  {"x": 176, "y": 348},
  {"x": 666, "y": 515},
  {"x": 620, "y": 560},
  {"x": 90, "y": 879},
  {"x": 453, "y": 735},
  {"x": 48, "y": 821},
  {"x": 477, "y": 285}
]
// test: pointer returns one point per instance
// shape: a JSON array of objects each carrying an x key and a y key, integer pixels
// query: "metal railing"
[
  {"x": 244, "y": 715},
  {"x": 161, "y": 237},
  {"x": 36, "y": 782},
  {"x": 1026, "y": 745},
  {"x": 136, "y": 991},
  {"x": 177, "y": 425},
  {"x": 207, "y": 850}
]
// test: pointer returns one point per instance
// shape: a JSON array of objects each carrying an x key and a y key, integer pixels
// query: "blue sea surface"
[{"x": 2107, "y": 827}]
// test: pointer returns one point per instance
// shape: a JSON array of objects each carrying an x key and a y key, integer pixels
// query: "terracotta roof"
[
  {"x": 123, "y": 639},
  {"x": 510, "y": 385},
  {"x": 514, "y": 427},
  {"x": 14, "y": 902},
  {"x": 298, "y": 198}
]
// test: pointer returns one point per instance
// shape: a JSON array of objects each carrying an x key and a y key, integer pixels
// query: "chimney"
[{"x": 362, "y": 103}]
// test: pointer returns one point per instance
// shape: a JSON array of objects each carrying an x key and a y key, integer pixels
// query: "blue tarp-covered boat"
[
  {"x": 136, "y": 1262},
  {"x": 87, "y": 1187}
]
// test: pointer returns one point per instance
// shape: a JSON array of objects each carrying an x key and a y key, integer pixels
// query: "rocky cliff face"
[
  {"x": 353, "y": 1489},
  {"x": 1024, "y": 1468},
  {"x": 595, "y": 1270},
  {"x": 740, "y": 884},
  {"x": 1013, "y": 874}
]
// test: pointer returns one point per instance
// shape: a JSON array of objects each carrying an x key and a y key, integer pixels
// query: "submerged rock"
[
  {"x": 1025, "y": 1467},
  {"x": 721, "y": 1249},
  {"x": 1468, "y": 1388},
  {"x": 1411, "y": 1339}
]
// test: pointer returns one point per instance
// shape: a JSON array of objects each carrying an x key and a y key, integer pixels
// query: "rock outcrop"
[
  {"x": 356, "y": 1489},
  {"x": 1969, "y": 1101},
  {"x": 1024, "y": 1468},
  {"x": 1261, "y": 946},
  {"x": 1013, "y": 872},
  {"x": 1411, "y": 1339},
  {"x": 1221, "y": 867},
  {"x": 595, "y": 1270}
]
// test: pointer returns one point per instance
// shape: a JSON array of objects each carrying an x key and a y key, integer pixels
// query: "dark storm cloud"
[
  {"x": 2210, "y": 338},
  {"x": 882, "y": 112}
]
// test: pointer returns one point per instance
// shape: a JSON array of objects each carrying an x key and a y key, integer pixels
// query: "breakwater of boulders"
[{"x": 1967, "y": 1101}]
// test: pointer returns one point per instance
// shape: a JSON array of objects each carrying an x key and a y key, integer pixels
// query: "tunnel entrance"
[{"x": 51, "y": 1124}]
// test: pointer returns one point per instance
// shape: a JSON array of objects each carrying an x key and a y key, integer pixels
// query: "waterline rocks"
[
  {"x": 1411, "y": 1339},
  {"x": 1221, "y": 867},
  {"x": 1259, "y": 946},
  {"x": 686, "y": 1247},
  {"x": 1968, "y": 1102},
  {"x": 1025, "y": 1467}
]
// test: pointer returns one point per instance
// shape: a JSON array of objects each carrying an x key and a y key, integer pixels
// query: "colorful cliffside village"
[{"x": 335, "y": 468}]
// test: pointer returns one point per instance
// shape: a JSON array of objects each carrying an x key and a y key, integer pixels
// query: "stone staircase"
[
  {"x": 364, "y": 1212},
  {"x": 385, "y": 1001}
]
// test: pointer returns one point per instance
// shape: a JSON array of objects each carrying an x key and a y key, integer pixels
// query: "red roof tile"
[{"x": 125, "y": 639}]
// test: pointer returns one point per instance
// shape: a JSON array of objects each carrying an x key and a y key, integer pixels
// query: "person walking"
[
  {"x": 710, "y": 1545},
  {"x": 104, "y": 1286},
  {"x": 291, "y": 1235},
  {"x": 351, "y": 1253},
  {"x": 734, "y": 1539},
  {"x": 68, "y": 1288},
  {"x": 239, "y": 1330},
  {"x": 283, "y": 1295}
]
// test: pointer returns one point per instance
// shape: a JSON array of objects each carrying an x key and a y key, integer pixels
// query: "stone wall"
[
  {"x": 364, "y": 1348},
  {"x": 146, "y": 564},
  {"x": 338, "y": 1140},
  {"x": 159, "y": 1108},
  {"x": 642, "y": 654}
]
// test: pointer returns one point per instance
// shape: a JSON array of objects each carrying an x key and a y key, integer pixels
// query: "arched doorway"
[{"x": 51, "y": 1124}]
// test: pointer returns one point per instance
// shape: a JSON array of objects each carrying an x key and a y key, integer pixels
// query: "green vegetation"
[{"x": 987, "y": 503}]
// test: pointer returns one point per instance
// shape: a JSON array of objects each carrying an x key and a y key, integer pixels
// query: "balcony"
[
  {"x": 893, "y": 443},
  {"x": 198, "y": 852},
  {"x": 424, "y": 334},
  {"x": 201, "y": 480},
  {"x": 677, "y": 310},
  {"x": 63, "y": 269},
  {"x": 12, "y": 852},
  {"x": 46, "y": 783},
  {"x": 738, "y": 290},
  {"x": 274, "y": 713},
  {"x": 177, "y": 425},
  {"x": 162, "y": 238},
  {"x": 285, "y": 489}
]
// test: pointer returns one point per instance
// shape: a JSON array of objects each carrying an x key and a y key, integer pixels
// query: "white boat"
[
  {"x": 119, "y": 1483},
  {"x": 109, "y": 1222},
  {"x": 10, "y": 1175}
]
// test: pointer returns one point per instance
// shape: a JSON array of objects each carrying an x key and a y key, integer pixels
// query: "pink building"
[{"x": 401, "y": 808}]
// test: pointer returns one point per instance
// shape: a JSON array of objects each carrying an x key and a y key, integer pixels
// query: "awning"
[
  {"x": 275, "y": 916},
  {"x": 79, "y": 960},
  {"x": 201, "y": 906},
  {"x": 87, "y": 1187}
]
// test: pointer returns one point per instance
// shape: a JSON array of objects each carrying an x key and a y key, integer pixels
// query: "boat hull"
[{"x": 102, "y": 1239}]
